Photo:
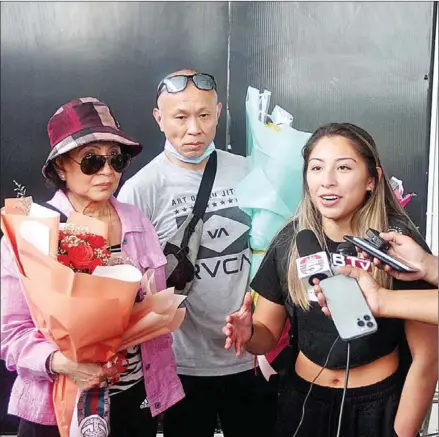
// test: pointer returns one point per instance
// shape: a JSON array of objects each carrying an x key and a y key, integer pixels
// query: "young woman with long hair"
[{"x": 390, "y": 386}]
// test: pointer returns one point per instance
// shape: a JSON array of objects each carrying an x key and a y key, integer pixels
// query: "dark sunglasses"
[
  {"x": 178, "y": 83},
  {"x": 91, "y": 163}
]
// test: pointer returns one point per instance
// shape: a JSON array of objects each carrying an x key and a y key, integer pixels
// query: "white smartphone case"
[{"x": 349, "y": 310}]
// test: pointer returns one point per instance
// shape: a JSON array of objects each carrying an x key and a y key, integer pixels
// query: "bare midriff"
[{"x": 361, "y": 376}]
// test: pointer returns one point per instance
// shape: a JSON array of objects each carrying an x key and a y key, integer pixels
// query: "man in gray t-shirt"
[{"x": 216, "y": 382}]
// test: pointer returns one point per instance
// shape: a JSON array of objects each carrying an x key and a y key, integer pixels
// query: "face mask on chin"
[{"x": 195, "y": 160}]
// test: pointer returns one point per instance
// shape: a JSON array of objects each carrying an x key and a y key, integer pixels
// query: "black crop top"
[{"x": 316, "y": 332}]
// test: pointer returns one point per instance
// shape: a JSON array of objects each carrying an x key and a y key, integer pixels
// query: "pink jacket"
[{"x": 25, "y": 349}]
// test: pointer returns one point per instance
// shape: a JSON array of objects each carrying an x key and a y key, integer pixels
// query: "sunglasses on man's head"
[
  {"x": 92, "y": 163},
  {"x": 178, "y": 83}
]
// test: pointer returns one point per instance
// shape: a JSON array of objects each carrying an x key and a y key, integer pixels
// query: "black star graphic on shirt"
[
  {"x": 214, "y": 204},
  {"x": 230, "y": 200},
  {"x": 176, "y": 211},
  {"x": 184, "y": 209},
  {"x": 222, "y": 202}
]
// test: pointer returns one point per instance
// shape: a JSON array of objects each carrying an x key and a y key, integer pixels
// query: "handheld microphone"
[
  {"x": 346, "y": 249},
  {"x": 313, "y": 262},
  {"x": 346, "y": 256}
]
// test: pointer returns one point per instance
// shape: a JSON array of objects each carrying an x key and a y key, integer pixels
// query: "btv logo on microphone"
[{"x": 338, "y": 260}]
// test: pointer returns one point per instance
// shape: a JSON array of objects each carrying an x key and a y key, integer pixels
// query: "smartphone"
[
  {"x": 396, "y": 264},
  {"x": 349, "y": 310}
]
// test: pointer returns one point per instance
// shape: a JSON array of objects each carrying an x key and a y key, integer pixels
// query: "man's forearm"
[
  {"x": 418, "y": 305},
  {"x": 262, "y": 340},
  {"x": 415, "y": 400}
]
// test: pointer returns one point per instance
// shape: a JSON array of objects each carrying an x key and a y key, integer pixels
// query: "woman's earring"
[{"x": 62, "y": 176}]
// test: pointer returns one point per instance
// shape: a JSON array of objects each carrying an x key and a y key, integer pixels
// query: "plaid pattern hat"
[{"x": 83, "y": 121}]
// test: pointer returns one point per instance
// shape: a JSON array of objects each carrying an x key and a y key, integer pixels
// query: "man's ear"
[
  {"x": 219, "y": 106},
  {"x": 158, "y": 117}
]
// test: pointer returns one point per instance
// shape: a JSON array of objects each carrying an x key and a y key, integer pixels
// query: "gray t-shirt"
[{"x": 166, "y": 194}]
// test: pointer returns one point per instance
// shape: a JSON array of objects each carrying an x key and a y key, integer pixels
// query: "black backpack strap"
[
  {"x": 205, "y": 187},
  {"x": 202, "y": 197},
  {"x": 62, "y": 218}
]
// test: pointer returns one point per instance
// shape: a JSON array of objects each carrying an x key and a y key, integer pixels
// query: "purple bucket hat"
[{"x": 83, "y": 121}]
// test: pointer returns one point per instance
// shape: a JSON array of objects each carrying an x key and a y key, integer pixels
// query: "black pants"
[
  {"x": 8, "y": 423},
  {"x": 245, "y": 403},
  {"x": 31, "y": 429},
  {"x": 368, "y": 411},
  {"x": 127, "y": 419}
]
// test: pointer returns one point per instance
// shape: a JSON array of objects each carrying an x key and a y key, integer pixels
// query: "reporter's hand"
[
  {"x": 321, "y": 297},
  {"x": 238, "y": 328},
  {"x": 370, "y": 288},
  {"x": 408, "y": 251},
  {"x": 84, "y": 375}
]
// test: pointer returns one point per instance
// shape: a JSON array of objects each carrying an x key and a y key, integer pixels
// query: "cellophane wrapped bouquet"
[
  {"x": 271, "y": 192},
  {"x": 91, "y": 305}
]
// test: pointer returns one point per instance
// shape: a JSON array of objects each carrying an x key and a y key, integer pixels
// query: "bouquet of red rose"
[
  {"x": 72, "y": 291},
  {"x": 81, "y": 250}
]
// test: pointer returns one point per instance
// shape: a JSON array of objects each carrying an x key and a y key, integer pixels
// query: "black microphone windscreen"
[
  {"x": 346, "y": 249},
  {"x": 307, "y": 243}
]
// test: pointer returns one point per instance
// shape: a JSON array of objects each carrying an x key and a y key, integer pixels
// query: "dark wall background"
[
  {"x": 368, "y": 63},
  {"x": 364, "y": 62},
  {"x": 52, "y": 52}
]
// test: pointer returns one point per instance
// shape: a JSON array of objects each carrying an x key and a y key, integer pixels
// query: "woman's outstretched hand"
[{"x": 238, "y": 328}]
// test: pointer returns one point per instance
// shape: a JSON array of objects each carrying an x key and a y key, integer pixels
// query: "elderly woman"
[{"x": 89, "y": 153}]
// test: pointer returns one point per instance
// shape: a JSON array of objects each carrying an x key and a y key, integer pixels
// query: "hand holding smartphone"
[
  {"x": 349, "y": 310},
  {"x": 376, "y": 247}
]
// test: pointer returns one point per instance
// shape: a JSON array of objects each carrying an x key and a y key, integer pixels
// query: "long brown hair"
[{"x": 374, "y": 213}]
